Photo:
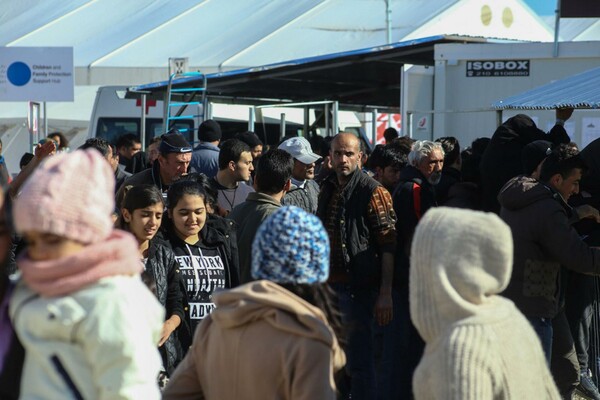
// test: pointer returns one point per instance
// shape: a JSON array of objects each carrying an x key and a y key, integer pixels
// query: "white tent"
[{"x": 129, "y": 42}]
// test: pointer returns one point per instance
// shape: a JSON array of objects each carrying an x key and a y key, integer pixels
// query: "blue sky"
[{"x": 542, "y": 7}]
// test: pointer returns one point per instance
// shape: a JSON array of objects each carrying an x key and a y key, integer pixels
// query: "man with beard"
[
  {"x": 358, "y": 215},
  {"x": 304, "y": 192},
  {"x": 413, "y": 196},
  {"x": 174, "y": 156}
]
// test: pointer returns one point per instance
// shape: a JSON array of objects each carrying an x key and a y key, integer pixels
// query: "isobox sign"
[
  {"x": 487, "y": 68},
  {"x": 36, "y": 74}
]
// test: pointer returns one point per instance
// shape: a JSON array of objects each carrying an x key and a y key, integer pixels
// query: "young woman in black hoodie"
[{"x": 206, "y": 262}]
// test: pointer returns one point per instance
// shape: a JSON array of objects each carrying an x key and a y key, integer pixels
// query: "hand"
[
  {"x": 384, "y": 309},
  {"x": 564, "y": 113},
  {"x": 168, "y": 327},
  {"x": 587, "y": 211},
  {"x": 44, "y": 150},
  {"x": 221, "y": 212}
]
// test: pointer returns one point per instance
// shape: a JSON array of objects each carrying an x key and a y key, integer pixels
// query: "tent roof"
[
  {"x": 115, "y": 33},
  {"x": 359, "y": 78},
  {"x": 231, "y": 34},
  {"x": 577, "y": 91},
  {"x": 575, "y": 29}
]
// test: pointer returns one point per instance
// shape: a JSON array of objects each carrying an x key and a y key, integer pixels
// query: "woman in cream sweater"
[{"x": 478, "y": 345}]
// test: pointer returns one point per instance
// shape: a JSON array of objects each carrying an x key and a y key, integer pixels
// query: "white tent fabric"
[
  {"x": 229, "y": 34},
  {"x": 506, "y": 19}
]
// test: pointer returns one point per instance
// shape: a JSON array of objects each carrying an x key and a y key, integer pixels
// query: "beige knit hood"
[
  {"x": 265, "y": 300},
  {"x": 460, "y": 260}
]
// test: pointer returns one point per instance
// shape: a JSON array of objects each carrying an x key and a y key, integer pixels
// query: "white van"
[{"x": 114, "y": 115}]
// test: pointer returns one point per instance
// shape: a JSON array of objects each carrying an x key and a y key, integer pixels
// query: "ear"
[
  {"x": 231, "y": 166},
  {"x": 161, "y": 159},
  {"x": 287, "y": 186},
  {"x": 378, "y": 171},
  {"x": 556, "y": 180},
  {"x": 126, "y": 215}
]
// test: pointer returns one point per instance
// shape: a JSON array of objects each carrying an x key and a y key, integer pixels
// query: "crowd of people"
[{"x": 309, "y": 269}]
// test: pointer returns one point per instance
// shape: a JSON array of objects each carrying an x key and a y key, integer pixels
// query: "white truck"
[{"x": 113, "y": 116}]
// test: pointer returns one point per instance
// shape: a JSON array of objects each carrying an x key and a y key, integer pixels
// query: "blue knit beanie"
[{"x": 291, "y": 246}]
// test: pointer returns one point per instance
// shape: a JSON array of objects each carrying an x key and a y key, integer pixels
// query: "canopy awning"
[
  {"x": 577, "y": 91},
  {"x": 368, "y": 77}
]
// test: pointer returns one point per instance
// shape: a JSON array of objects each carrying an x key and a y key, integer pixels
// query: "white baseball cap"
[{"x": 300, "y": 149}]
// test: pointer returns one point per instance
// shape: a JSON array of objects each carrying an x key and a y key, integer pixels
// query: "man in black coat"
[{"x": 413, "y": 196}]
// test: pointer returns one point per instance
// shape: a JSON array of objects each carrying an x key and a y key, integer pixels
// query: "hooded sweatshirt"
[
  {"x": 478, "y": 345},
  {"x": 204, "y": 268},
  {"x": 261, "y": 342},
  {"x": 543, "y": 241}
]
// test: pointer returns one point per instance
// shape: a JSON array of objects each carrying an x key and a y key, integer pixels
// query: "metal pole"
[
  {"x": 143, "y": 123},
  {"x": 209, "y": 111},
  {"x": 306, "y": 122},
  {"x": 388, "y": 20},
  {"x": 556, "y": 27},
  {"x": 251, "y": 118},
  {"x": 45, "y": 121},
  {"x": 335, "y": 122},
  {"x": 409, "y": 122},
  {"x": 282, "y": 126},
  {"x": 374, "y": 126},
  {"x": 166, "y": 111},
  {"x": 498, "y": 117},
  {"x": 30, "y": 125},
  {"x": 327, "y": 131}
]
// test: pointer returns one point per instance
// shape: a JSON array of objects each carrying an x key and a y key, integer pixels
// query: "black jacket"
[
  {"x": 544, "y": 240},
  {"x": 450, "y": 177},
  {"x": 414, "y": 195},
  {"x": 227, "y": 229},
  {"x": 137, "y": 163},
  {"x": 10, "y": 375},
  {"x": 150, "y": 176},
  {"x": 163, "y": 268},
  {"x": 502, "y": 161},
  {"x": 360, "y": 251}
]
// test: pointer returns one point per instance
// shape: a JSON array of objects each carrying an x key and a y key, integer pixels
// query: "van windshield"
[{"x": 111, "y": 129}]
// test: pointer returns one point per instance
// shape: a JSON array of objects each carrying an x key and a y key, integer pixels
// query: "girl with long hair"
[
  {"x": 274, "y": 338},
  {"x": 141, "y": 214},
  {"x": 205, "y": 260},
  {"x": 88, "y": 324}
]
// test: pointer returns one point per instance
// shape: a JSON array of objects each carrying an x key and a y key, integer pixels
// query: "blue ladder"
[{"x": 188, "y": 94}]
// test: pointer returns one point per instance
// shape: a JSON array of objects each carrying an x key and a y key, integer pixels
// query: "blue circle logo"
[{"x": 18, "y": 73}]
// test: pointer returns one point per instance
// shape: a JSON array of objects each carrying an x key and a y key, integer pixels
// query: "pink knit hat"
[{"x": 69, "y": 195}]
